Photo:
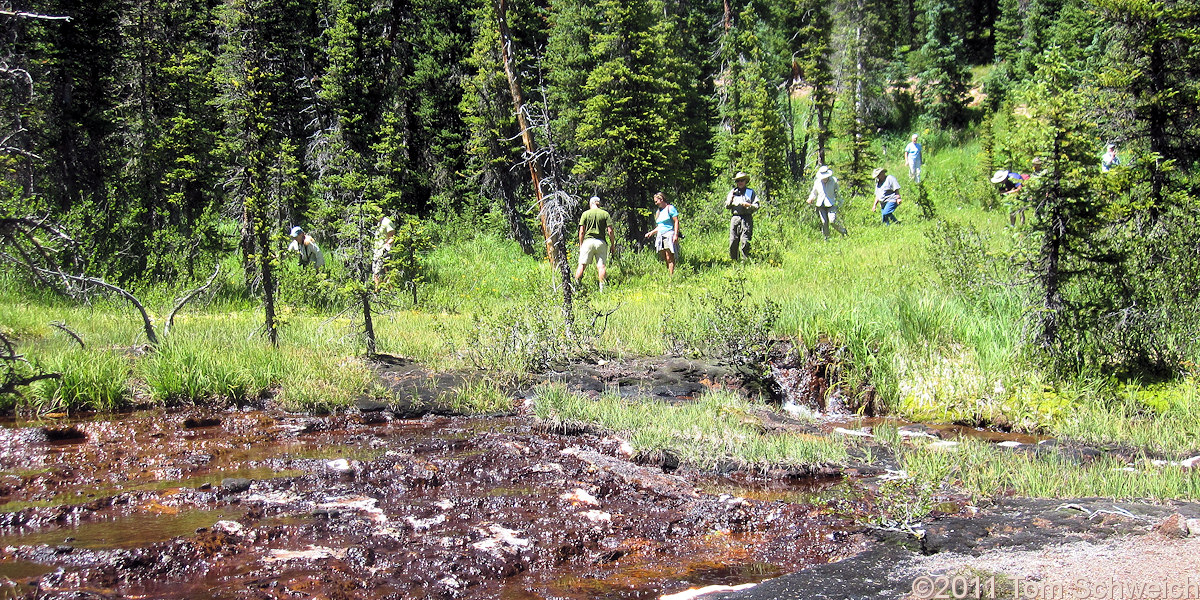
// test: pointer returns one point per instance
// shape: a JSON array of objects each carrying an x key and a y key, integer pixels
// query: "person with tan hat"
[
  {"x": 825, "y": 195},
  {"x": 887, "y": 193},
  {"x": 743, "y": 203}
]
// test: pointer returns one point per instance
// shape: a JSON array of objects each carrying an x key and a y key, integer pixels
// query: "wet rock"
[
  {"x": 360, "y": 556},
  {"x": 235, "y": 485},
  {"x": 200, "y": 422},
  {"x": 361, "y": 504},
  {"x": 229, "y": 527},
  {"x": 852, "y": 432},
  {"x": 312, "y": 553},
  {"x": 943, "y": 445},
  {"x": 1174, "y": 526},
  {"x": 597, "y": 516},
  {"x": 642, "y": 477},
  {"x": 547, "y": 468},
  {"x": 580, "y": 497},
  {"x": 64, "y": 434},
  {"x": 1193, "y": 527},
  {"x": 340, "y": 466},
  {"x": 918, "y": 430},
  {"x": 707, "y": 590},
  {"x": 369, "y": 405},
  {"x": 421, "y": 525},
  {"x": 501, "y": 550}
]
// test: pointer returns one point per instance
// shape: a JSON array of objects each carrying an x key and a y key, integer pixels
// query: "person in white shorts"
[{"x": 595, "y": 235}]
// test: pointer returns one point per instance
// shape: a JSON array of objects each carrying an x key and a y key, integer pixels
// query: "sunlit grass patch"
[
  {"x": 321, "y": 383},
  {"x": 477, "y": 398},
  {"x": 219, "y": 369},
  {"x": 1161, "y": 418},
  {"x": 983, "y": 470},
  {"x": 718, "y": 429}
]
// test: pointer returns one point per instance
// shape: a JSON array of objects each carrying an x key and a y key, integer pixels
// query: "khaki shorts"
[{"x": 593, "y": 250}]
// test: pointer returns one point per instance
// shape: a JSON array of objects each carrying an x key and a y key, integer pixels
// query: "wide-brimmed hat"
[
  {"x": 1036, "y": 161},
  {"x": 875, "y": 174},
  {"x": 999, "y": 176},
  {"x": 741, "y": 175},
  {"x": 824, "y": 172},
  {"x": 297, "y": 231}
]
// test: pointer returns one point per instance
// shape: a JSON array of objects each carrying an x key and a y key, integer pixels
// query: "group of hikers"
[
  {"x": 305, "y": 246},
  {"x": 596, "y": 235}
]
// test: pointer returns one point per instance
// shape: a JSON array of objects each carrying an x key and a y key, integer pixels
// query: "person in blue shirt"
[
  {"x": 914, "y": 157},
  {"x": 666, "y": 231}
]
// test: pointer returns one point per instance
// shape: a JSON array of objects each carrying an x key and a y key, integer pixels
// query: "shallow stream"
[{"x": 194, "y": 504}]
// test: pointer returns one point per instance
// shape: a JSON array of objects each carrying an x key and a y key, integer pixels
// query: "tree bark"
[{"x": 514, "y": 87}]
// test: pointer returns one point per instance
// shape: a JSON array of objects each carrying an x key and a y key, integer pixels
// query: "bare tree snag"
[
  {"x": 29, "y": 15},
  {"x": 10, "y": 379},
  {"x": 514, "y": 87}
]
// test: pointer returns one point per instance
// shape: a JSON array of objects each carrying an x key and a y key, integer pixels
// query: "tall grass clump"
[
  {"x": 1161, "y": 418},
  {"x": 717, "y": 430},
  {"x": 196, "y": 369},
  {"x": 321, "y": 384},
  {"x": 477, "y": 398},
  {"x": 90, "y": 381}
]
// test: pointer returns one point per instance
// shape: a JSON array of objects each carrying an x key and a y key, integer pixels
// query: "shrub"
[
  {"x": 959, "y": 254},
  {"x": 725, "y": 323}
]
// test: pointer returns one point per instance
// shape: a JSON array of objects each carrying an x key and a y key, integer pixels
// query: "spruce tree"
[
  {"x": 944, "y": 77},
  {"x": 340, "y": 153},
  {"x": 752, "y": 136},
  {"x": 629, "y": 127},
  {"x": 256, "y": 101}
]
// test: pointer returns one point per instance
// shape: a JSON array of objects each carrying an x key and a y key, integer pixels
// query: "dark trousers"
[{"x": 741, "y": 229}]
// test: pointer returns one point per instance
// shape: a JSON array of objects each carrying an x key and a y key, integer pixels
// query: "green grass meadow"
[{"x": 933, "y": 350}]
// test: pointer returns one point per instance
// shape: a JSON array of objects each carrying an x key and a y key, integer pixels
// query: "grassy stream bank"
[{"x": 916, "y": 319}]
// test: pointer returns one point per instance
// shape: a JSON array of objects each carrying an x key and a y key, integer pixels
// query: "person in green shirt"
[{"x": 595, "y": 235}]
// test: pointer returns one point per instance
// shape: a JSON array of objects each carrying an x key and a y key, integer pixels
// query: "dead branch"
[
  {"x": 147, "y": 324},
  {"x": 597, "y": 315},
  {"x": 63, "y": 327},
  {"x": 9, "y": 349},
  {"x": 10, "y": 386},
  {"x": 29, "y": 15},
  {"x": 187, "y": 298}
]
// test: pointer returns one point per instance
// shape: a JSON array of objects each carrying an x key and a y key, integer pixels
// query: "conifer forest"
[{"x": 292, "y": 301}]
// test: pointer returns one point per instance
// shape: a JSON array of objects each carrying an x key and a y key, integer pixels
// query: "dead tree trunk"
[{"x": 514, "y": 87}]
